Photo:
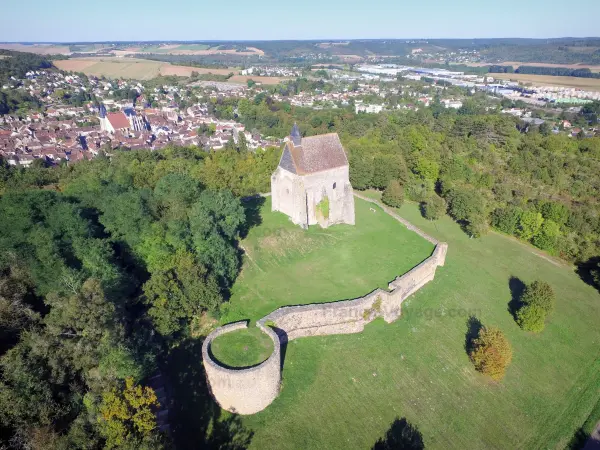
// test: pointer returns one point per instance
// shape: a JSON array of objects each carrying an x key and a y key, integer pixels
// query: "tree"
[
  {"x": 434, "y": 207},
  {"x": 465, "y": 204},
  {"x": 537, "y": 303},
  {"x": 539, "y": 293},
  {"x": 387, "y": 168},
  {"x": 393, "y": 195},
  {"x": 531, "y": 318},
  {"x": 507, "y": 219},
  {"x": 215, "y": 221},
  {"x": 554, "y": 211},
  {"x": 491, "y": 352},
  {"x": 126, "y": 418},
  {"x": 361, "y": 172},
  {"x": 529, "y": 224},
  {"x": 547, "y": 237}
]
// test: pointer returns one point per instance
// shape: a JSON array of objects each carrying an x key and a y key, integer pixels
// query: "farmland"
[
  {"x": 592, "y": 84},
  {"x": 344, "y": 391},
  {"x": 143, "y": 69}
]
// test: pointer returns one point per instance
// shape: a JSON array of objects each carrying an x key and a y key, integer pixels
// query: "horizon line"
[{"x": 298, "y": 40}]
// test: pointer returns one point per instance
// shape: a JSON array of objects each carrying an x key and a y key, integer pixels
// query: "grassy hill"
[{"x": 344, "y": 391}]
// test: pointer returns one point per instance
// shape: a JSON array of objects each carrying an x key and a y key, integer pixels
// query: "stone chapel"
[{"x": 311, "y": 184}]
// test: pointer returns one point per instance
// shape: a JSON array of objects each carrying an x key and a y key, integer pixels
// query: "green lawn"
[
  {"x": 285, "y": 265},
  {"x": 345, "y": 391},
  {"x": 242, "y": 348}
]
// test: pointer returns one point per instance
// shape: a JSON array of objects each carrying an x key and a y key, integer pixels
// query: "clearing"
[{"x": 344, "y": 392}]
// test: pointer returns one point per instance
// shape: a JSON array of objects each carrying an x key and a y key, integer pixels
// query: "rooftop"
[{"x": 314, "y": 154}]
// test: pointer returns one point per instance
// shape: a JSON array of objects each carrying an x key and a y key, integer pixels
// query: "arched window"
[{"x": 334, "y": 184}]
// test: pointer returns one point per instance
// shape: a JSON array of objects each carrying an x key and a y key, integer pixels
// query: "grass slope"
[
  {"x": 285, "y": 265},
  {"x": 242, "y": 348},
  {"x": 344, "y": 391}
]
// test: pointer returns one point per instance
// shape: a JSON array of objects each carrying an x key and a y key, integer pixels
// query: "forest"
[
  {"x": 539, "y": 70},
  {"x": 106, "y": 270}
]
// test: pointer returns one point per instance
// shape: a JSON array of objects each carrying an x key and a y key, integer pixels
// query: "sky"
[{"x": 135, "y": 20}]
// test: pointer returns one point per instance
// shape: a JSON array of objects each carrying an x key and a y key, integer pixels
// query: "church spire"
[{"x": 295, "y": 135}]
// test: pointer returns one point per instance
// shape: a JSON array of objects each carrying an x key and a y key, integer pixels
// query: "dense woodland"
[
  {"x": 539, "y": 70},
  {"x": 105, "y": 271}
]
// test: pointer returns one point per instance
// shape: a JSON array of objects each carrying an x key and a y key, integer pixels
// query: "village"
[{"x": 80, "y": 117}]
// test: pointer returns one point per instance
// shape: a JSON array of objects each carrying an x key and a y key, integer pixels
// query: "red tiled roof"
[{"x": 118, "y": 120}]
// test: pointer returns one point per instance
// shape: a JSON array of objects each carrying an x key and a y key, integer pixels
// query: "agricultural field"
[
  {"x": 144, "y": 69},
  {"x": 591, "y": 84},
  {"x": 138, "y": 69},
  {"x": 344, "y": 391},
  {"x": 188, "y": 49},
  {"x": 42, "y": 49},
  {"x": 516, "y": 64}
]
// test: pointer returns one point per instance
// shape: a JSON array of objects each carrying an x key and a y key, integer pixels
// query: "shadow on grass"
[
  {"x": 283, "y": 341},
  {"x": 252, "y": 206},
  {"x": 578, "y": 440},
  {"x": 474, "y": 325},
  {"x": 589, "y": 272},
  {"x": 196, "y": 420},
  {"x": 401, "y": 435},
  {"x": 517, "y": 287}
]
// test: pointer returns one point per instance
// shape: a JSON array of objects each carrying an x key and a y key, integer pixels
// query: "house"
[
  {"x": 311, "y": 184},
  {"x": 113, "y": 122}
]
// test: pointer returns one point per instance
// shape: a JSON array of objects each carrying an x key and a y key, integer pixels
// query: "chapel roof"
[{"x": 314, "y": 154}]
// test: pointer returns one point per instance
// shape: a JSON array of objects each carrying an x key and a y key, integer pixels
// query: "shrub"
[
  {"x": 434, "y": 207},
  {"x": 491, "y": 352},
  {"x": 323, "y": 207},
  {"x": 393, "y": 195},
  {"x": 531, "y": 318}
]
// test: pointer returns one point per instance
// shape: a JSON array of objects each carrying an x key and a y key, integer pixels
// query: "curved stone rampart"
[
  {"x": 245, "y": 390},
  {"x": 351, "y": 316},
  {"x": 249, "y": 390}
]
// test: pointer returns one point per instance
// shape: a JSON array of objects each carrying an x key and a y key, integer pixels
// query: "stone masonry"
[{"x": 249, "y": 390}]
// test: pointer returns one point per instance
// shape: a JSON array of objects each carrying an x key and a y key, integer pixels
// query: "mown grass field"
[
  {"x": 285, "y": 265},
  {"x": 242, "y": 348},
  {"x": 344, "y": 391}
]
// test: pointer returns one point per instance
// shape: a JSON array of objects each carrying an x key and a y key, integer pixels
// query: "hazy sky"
[{"x": 68, "y": 20}]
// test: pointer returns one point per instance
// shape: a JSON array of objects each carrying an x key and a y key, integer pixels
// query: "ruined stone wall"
[
  {"x": 244, "y": 390},
  {"x": 249, "y": 390},
  {"x": 351, "y": 316}
]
